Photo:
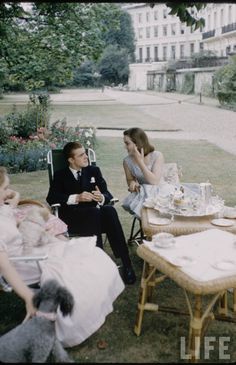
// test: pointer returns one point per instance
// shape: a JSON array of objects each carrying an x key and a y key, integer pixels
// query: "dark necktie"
[{"x": 78, "y": 175}]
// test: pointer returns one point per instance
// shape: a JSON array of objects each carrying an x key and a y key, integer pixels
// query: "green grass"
[{"x": 161, "y": 332}]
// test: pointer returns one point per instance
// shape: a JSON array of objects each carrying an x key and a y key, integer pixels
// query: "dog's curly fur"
[
  {"x": 35, "y": 340},
  {"x": 32, "y": 228}
]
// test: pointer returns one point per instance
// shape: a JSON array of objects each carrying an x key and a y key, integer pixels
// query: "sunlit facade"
[{"x": 160, "y": 36}]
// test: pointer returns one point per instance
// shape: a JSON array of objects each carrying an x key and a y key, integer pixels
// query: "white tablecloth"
[{"x": 206, "y": 249}]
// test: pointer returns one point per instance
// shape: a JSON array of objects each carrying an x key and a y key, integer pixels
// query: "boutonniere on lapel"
[{"x": 92, "y": 180}]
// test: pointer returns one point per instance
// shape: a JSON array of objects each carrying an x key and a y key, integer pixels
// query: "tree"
[
  {"x": 123, "y": 36},
  {"x": 42, "y": 47},
  {"x": 114, "y": 65},
  {"x": 183, "y": 12}
]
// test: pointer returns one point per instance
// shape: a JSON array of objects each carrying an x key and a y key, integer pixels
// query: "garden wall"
[{"x": 155, "y": 77}]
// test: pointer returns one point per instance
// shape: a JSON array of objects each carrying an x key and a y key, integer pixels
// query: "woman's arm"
[
  {"x": 10, "y": 274},
  {"x": 132, "y": 183}
]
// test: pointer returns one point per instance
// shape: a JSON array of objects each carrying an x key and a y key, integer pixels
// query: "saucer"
[
  {"x": 183, "y": 261},
  {"x": 222, "y": 222},
  {"x": 159, "y": 221},
  {"x": 225, "y": 265}
]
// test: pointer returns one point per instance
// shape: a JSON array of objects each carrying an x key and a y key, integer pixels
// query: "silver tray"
[{"x": 189, "y": 213}]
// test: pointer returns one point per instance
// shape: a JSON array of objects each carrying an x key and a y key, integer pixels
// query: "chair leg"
[{"x": 138, "y": 236}]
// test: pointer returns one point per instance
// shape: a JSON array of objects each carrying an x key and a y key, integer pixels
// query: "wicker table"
[
  {"x": 180, "y": 225},
  {"x": 156, "y": 268}
]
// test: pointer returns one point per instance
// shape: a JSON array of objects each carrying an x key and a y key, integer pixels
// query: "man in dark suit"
[{"x": 82, "y": 192}]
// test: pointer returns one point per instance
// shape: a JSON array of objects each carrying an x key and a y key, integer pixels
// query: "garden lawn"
[{"x": 161, "y": 332}]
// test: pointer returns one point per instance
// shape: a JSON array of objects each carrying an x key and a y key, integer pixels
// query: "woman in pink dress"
[{"x": 78, "y": 264}]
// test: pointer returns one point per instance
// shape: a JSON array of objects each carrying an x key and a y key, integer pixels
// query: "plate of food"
[{"x": 225, "y": 265}]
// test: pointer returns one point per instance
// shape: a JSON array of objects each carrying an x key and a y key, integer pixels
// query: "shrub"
[
  {"x": 5, "y": 131},
  {"x": 225, "y": 83},
  {"x": 188, "y": 84}
]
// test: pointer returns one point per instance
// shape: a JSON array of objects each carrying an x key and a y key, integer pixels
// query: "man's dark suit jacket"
[
  {"x": 64, "y": 184},
  {"x": 81, "y": 218}
]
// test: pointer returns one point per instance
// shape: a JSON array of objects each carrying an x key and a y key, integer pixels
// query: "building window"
[
  {"x": 155, "y": 15},
  {"x": 227, "y": 50},
  {"x": 164, "y": 53},
  {"x": 156, "y": 31},
  {"x": 147, "y": 17},
  {"x": 201, "y": 46},
  {"x": 191, "y": 49},
  {"x": 181, "y": 28},
  {"x": 147, "y": 54},
  {"x": 182, "y": 51},
  {"x": 222, "y": 17},
  {"x": 173, "y": 29},
  {"x": 155, "y": 53},
  {"x": 148, "y": 32},
  {"x": 173, "y": 52},
  {"x": 140, "y": 50},
  {"x": 209, "y": 23},
  {"x": 140, "y": 33},
  {"x": 215, "y": 20},
  {"x": 230, "y": 14},
  {"x": 140, "y": 17},
  {"x": 164, "y": 13},
  {"x": 164, "y": 29}
]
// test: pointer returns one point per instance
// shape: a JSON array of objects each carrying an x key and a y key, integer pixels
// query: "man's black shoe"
[{"x": 129, "y": 276}]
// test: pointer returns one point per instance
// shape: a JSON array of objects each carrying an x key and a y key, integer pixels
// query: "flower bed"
[{"x": 26, "y": 148}]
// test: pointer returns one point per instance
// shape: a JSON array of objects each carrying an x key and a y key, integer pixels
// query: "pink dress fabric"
[{"x": 55, "y": 226}]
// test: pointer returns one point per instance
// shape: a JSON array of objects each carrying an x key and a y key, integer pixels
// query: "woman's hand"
[
  {"x": 138, "y": 156},
  {"x": 30, "y": 309},
  {"x": 134, "y": 186}
]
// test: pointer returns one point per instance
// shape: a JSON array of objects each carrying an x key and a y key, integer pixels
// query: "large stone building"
[{"x": 161, "y": 37}]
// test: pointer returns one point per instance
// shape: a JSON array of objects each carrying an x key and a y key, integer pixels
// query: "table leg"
[
  {"x": 223, "y": 304},
  {"x": 145, "y": 293},
  {"x": 234, "y": 300},
  {"x": 195, "y": 330}
]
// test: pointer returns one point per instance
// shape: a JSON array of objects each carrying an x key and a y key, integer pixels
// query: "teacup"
[{"x": 163, "y": 238}]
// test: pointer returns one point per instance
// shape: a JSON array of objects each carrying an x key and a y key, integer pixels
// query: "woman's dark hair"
[
  {"x": 139, "y": 137},
  {"x": 69, "y": 148}
]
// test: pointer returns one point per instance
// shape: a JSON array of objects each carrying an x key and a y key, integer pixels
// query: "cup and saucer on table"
[{"x": 163, "y": 240}]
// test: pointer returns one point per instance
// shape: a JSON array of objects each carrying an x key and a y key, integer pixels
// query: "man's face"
[{"x": 79, "y": 159}]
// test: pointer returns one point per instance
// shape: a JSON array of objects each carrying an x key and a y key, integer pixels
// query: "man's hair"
[
  {"x": 139, "y": 137},
  {"x": 3, "y": 174},
  {"x": 69, "y": 148}
]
